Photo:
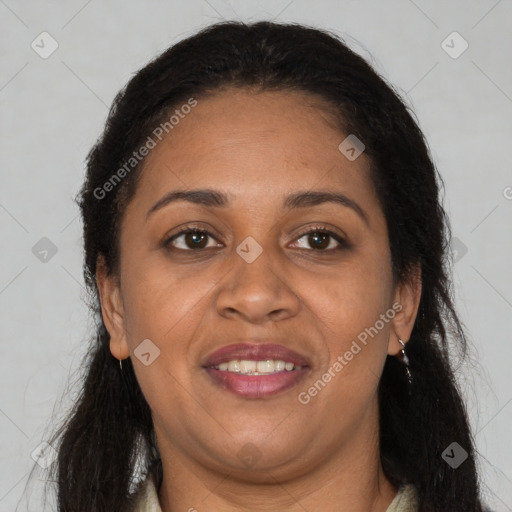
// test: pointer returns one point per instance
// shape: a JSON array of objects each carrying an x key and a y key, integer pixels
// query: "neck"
[{"x": 349, "y": 479}]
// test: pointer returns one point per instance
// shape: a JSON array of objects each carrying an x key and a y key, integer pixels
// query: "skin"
[{"x": 258, "y": 148}]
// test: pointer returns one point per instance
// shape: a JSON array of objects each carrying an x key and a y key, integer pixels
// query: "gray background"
[{"x": 53, "y": 109}]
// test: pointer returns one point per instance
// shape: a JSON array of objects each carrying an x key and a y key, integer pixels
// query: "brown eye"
[
  {"x": 192, "y": 239},
  {"x": 319, "y": 240},
  {"x": 323, "y": 240}
]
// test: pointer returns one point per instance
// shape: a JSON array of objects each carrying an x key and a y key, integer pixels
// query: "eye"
[
  {"x": 193, "y": 239},
  {"x": 319, "y": 238},
  {"x": 323, "y": 240}
]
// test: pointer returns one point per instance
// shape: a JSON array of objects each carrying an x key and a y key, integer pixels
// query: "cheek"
[
  {"x": 352, "y": 299},
  {"x": 172, "y": 310},
  {"x": 156, "y": 299},
  {"x": 355, "y": 314},
  {"x": 168, "y": 310}
]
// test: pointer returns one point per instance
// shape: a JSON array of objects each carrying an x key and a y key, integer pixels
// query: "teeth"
[
  {"x": 248, "y": 366},
  {"x": 234, "y": 366},
  {"x": 266, "y": 367},
  {"x": 280, "y": 366}
]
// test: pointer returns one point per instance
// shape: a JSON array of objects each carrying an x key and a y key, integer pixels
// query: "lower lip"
[{"x": 256, "y": 386}]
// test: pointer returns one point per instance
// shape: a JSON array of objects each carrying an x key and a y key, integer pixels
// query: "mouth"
[
  {"x": 256, "y": 371},
  {"x": 264, "y": 367}
]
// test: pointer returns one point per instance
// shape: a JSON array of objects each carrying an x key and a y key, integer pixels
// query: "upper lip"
[{"x": 252, "y": 351}]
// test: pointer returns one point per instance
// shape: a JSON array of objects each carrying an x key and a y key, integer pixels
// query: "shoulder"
[{"x": 406, "y": 500}]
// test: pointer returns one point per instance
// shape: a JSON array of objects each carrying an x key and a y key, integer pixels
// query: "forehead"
[
  {"x": 255, "y": 146},
  {"x": 254, "y": 119}
]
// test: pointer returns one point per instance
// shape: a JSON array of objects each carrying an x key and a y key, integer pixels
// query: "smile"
[
  {"x": 251, "y": 382},
  {"x": 265, "y": 367}
]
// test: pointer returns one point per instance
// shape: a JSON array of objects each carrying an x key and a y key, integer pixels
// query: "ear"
[
  {"x": 112, "y": 309},
  {"x": 408, "y": 295}
]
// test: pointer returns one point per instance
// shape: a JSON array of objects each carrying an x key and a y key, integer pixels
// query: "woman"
[{"x": 265, "y": 243}]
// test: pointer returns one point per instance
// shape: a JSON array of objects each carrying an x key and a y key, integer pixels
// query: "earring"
[
  {"x": 120, "y": 364},
  {"x": 405, "y": 359}
]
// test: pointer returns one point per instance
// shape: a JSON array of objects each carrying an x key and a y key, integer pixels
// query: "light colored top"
[{"x": 147, "y": 498}]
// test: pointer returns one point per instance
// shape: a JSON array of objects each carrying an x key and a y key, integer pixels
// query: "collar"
[{"x": 146, "y": 498}]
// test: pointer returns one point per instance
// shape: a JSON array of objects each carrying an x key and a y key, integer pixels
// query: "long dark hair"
[{"x": 109, "y": 431}]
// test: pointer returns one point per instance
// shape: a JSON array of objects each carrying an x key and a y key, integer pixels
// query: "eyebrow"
[{"x": 302, "y": 199}]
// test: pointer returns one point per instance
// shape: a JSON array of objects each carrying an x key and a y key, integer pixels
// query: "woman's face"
[{"x": 256, "y": 280}]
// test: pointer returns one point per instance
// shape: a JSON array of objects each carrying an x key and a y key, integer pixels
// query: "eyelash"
[{"x": 343, "y": 244}]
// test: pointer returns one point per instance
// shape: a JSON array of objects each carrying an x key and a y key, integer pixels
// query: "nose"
[{"x": 258, "y": 290}]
